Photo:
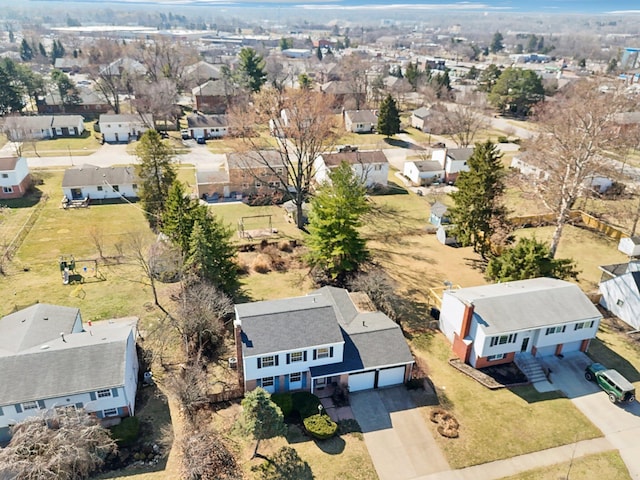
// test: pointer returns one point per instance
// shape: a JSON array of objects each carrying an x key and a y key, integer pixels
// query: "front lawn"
[{"x": 496, "y": 424}]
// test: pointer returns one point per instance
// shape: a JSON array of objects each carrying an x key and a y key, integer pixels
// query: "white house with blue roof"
[
  {"x": 306, "y": 343},
  {"x": 49, "y": 360}
]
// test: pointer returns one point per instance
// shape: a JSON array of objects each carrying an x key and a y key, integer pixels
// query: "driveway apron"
[{"x": 399, "y": 442}]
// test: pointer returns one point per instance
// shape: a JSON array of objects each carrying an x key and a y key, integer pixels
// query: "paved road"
[{"x": 399, "y": 442}]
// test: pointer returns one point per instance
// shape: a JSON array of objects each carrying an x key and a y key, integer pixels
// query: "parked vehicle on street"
[{"x": 612, "y": 382}]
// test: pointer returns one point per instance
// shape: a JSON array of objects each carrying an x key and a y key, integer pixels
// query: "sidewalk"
[{"x": 523, "y": 463}]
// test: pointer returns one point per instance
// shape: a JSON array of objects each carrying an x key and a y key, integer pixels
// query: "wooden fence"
[
  {"x": 26, "y": 228},
  {"x": 226, "y": 395}
]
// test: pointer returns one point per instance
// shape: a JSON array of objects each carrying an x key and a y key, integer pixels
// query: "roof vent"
[
  {"x": 44, "y": 347},
  {"x": 46, "y": 318}
]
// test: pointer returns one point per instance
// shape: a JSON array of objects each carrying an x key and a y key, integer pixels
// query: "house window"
[
  {"x": 377, "y": 167},
  {"x": 104, "y": 393},
  {"x": 7, "y": 189},
  {"x": 245, "y": 185},
  {"x": 583, "y": 325},
  {"x": 279, "y": 171},
  {"x": 134, "y": 186},
  {"x": 620, "y": 302},
  {"x": 116, "y": 188},
  {"x": 267, "y": 382},
  {"x": 295, "y": 377},
  {"x": 99, "y": 188},
  {"x": 258, "y": 184},
  {"x": 273, "y": 184},
  {"x": 552, "y": 330},
  {"x": 322, "y": 353},
  {"x": 296, "y": 357},
  {"x": 29, "y": 405},
  {"x": 5, "y": 175},
  {"x": 498, "y": 356},
  {"x": 111, "y": 412},
  {"x": 503, "y": 339},
  {"x": 268, "y": 361}
]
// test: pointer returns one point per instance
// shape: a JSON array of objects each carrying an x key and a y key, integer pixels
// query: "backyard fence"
[{"x": 17, "y": 240}]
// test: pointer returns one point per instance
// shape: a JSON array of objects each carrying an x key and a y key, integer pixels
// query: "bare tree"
[
  {"x": 96, "y": 234},
  {"x": 463, "y": 123},
  {"x": 158, "y": 98},
  {"x": 189, "y": 386},
  {"x": 65, "y": 444},
  {"x": 206, "y": 457},
  {"x": 576, "y": 132},
  {"x": 20, "y": 136},
  {"x": 307, "y": 133},
  {"x": 165, "y": 59},
  {"x": 354, "y": 72}
]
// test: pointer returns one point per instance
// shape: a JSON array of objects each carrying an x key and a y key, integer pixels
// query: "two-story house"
[
  {"x": 306, "y": 343},
  {"x": 49, "y": 360},
  {"x": 371, "y": 167},
  {"x": 15, "y": 177},
  {"x": 453, "y": 161},
  {"x": 255, "y": 172},
  {"x": 489, "y": 324},
  {"x": 124, "y": 127}
]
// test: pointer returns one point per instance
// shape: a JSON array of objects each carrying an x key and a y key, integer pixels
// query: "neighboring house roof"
[
  {"x": 460, "y": 153},
  {"x": 38, "y": 122},
  {"x": 212, "y": 88},
  {"x": 618, "y": 269},
  {"x": 81, "y": 362},
  {"x": 422, "y": 112},
  {"x": 287, "y": 324},
  {"x": 199, "y": 120},
  {"x": 337, "y": 88},
  {"x": 247, "y": 160},
  {"x": 121, "y": 65},
  {"x": 87, "y": 96},
  {"x": 204, "y": 177},
  {"x": 353, "y": 158},
  {"x": 90, "y": 175},
  {"x": 526, "y": 304},
  {"x": 33, "y": 326},
  {"x": 428, "y": 166},
  {"x": 361, "y": 116},
  {"x": 439, "y": 209},
  {"x": 59, "y": 121},
  {"x": 70, "y": 63},
  {"x": 144, "y": 118},
  {"x": 203, "y": 69},
  {"x": 8, "y": 164}
]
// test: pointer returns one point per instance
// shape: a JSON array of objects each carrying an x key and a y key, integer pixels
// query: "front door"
[
  {"x": 76, "y": 194},
  {"x": 525, "y": 344}
]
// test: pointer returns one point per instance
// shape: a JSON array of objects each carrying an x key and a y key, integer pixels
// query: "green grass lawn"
[
  {"x": 606, "y": 464},
  {"x": 519, "y": 420},
  {"x": 86, "y": 144}
]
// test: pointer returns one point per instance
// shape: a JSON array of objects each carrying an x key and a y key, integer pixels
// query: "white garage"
[
  {"x": 361, "y": 381},
  {"x": 391, "y": 376},
  {"x": 571, "y": 346}
]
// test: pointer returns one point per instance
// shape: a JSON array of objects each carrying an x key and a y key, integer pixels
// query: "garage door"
[
  {"x": 571, "y": 346},
  {"x": 391, "y": 376},
  {"x": 546, "y": 351},
  {"x": 361, "y": 381}
]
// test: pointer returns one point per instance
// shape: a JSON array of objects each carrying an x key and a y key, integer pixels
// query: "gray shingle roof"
[
  {"x": 362, "y": 116},
  {"x": 89, "y": 175},
  {"x": 248, "y": 160},
  {"x": 205, "y": 177},
  {"x": 439, "y": 209},
  {"x": 428, "y": 166},
  {"x": 7, "y": 164},
  {"x": 527, "y": 304},
  {"x": 33, "y": 326},
  {"x": 199, "y": 120},
  {"x": 460, "y": 153},
  {"x": 421, "y": 112},
  {"x": 144, "y": 118},
  {"x": 365, "y": 158},
  {"x": 287, "y": 324},
  {"x": 84, "y": 362},
  {"x": 60, "y": 121},
  {"x": 212, "y": 88}
]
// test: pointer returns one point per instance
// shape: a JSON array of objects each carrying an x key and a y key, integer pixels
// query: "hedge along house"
[
  {"x": 49, "y": 361},
  {"x": 490, "y": 324},
  {"x": 309, "y": 342}
]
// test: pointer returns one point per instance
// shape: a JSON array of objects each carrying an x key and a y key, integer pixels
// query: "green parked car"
[{"x": 615, "y": 385}]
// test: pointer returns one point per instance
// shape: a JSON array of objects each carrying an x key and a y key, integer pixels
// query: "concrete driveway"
[
  {"x": 399, "y": 442},
  {"x": 619, "y": 423}
]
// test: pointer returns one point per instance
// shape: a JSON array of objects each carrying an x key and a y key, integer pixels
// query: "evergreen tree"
[
  {"x": 211, "y": 254},
  {"x": 157, "y": 173},
  {"x": 335, "y": 246},
  {"x": 478, "y": 211},
  {"x": 252, "y": 68},
  {"x": 412, "y": 74},
  {"x": 178, "y": 216},
  {"x": 42, "y": 51},
  {"x": 12, "y": 37},
  {"x": 488, "y": 78},
  {"x": 516, "y": 90},
  {"x": 496, "y": 43},
  {"x": 260, "y": 417},
  {"x": 529, "y": 258},
  {"x": 304, "y": 81},
  {"x": 388, "y": 117},
  {"x": 319, "y": 53},
  {"x": 10, "y": 97},
  {"x": 26, "y": 52},
  {"x": 66, "y": 88}
]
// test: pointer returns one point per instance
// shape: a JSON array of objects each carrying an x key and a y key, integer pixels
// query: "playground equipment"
[
  {"x": 249, "y": 234},
  {"x": 68, "y": 271}
]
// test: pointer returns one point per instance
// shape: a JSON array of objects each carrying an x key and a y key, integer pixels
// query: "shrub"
[
  {"x": 340, "y": 395},
  {"x": 305, "y": 403},
  {"x": 285, "y": 246},
  {"x": 320, "y": 426},
  {"x": 284, "y": 401},
  {"x": 126, "y": 432},
  {"x": 261, "y": 264},
  {"x": 503, "y": 139}
]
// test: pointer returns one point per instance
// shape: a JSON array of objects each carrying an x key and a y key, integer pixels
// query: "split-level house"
[
  {"x": 490, "y": 324},
  {"x": 15, "y": 177},
  {"x": 309, "y": 342},
  {"x": 371, "y": 167},
  {"x": 49, "y": 359},
  {"x": 453, "y": 161}
]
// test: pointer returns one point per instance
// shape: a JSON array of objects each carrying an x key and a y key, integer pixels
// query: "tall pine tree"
[
  {"x": 478, "y": 212},
  {"x": 388, "y": 117},
  {"x": 335, "y": 245}
]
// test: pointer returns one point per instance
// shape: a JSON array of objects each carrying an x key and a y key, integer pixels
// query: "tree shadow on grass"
[
  {"x": 478, "y": 264},
  {"x": 29, "y": 200},
  {"x": 332, "y": 446},
  {"x": 396, "y": 142},
  {"x": 600, "y": 352}
]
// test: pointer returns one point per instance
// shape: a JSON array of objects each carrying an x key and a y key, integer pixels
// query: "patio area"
[{"x": 336, "y": 413}]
